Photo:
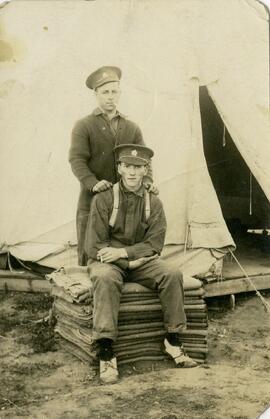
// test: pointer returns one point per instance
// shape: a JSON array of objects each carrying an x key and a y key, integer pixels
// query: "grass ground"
[{"x": 37, "y": 380}]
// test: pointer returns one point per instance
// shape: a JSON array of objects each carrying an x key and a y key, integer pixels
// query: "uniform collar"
[
  {"x": 139, "y": 192},
  {"x": 98, "y": 111}
]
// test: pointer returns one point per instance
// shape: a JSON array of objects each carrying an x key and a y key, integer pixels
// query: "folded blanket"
[
  {"x": 154, "y": 325},
  {"x": 142, "y": 316},
  {"x": 69, "y": 336},
  {"x": 200, "y": 292},
  {"x": 197, "y": 315},
  {"x": 129, "y": 308},
  {"x": 142, "y": 335},
  {"x": 195, "y": 348},
  {"x": 76, "y": 351},
  {"x": 76, "y": 309},
  {"x": 73, "y": 323},
  {"x": 139, "y": 301},
  {"x": 75, "y": 335},
  {"x": 147, "y": 350},
  {"x": 190, "y": 284},
  {"x": 200, "y": 342},
  {"x": 138, "y": 331},
  {"x": 196, "y": 308},
  {"x": 76, "y": 282},
  {"x": 118, "y": 345},
  {"x": 194, "y": 325},
  {"x": 89, "y": 360},
  {"x": 197, "y": 356},
  {"x": 193, "y": 333},
  {"x": 140, "y": 326}
]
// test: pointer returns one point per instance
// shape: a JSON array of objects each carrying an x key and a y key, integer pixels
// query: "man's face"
[
  {"x": 132, "y": 175},
  {"x": 108, "y": 96}
]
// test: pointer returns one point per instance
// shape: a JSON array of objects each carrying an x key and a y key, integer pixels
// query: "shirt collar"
[
  {"x": 98, "y": 111},
  {"x": 139, "y": 192}
]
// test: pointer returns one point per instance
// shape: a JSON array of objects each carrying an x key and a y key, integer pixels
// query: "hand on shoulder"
[
  {"x": 101, "y": 186},
  {"x": 151, "y": 188}
]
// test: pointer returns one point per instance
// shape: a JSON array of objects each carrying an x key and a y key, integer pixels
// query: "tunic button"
[{"x": 103, "y": 128}]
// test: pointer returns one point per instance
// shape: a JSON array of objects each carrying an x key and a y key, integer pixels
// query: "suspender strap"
[
  {"x": 147, "y": 204},
  {"x": 116, "y": 195}
]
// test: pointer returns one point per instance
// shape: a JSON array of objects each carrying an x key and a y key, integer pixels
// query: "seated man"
[{"x": 124, "y": 238}]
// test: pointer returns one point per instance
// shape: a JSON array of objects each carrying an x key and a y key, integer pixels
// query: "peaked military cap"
[
  {"x": 103, "y": 75},
  {"x": 138, "y": 155}
]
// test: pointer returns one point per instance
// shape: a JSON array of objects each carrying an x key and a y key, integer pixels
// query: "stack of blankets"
[{"x": 140, "y": 325}]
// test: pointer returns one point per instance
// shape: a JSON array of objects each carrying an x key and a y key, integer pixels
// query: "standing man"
[
  {"x": 124, "y": 238},
  {"x": 93, "y": 140}
]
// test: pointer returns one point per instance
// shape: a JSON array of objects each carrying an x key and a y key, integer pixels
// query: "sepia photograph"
[{"x": 135, "y": 209}]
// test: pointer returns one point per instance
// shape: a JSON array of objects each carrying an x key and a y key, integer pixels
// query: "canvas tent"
[{"x": 47, "y": 49}]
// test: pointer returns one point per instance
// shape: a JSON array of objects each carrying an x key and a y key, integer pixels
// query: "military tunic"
[
  {"x": 140, "y": 238},
  {"x": 92, "y": 159}
]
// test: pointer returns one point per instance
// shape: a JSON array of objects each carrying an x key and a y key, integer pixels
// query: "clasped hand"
[{"x": 109, "y": 254}]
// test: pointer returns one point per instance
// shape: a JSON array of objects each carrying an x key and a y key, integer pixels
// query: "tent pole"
[
  {"x": 224, "y": 136},
  {"x": 250, "y": 193},
  {"x": 186, "y": 239}
]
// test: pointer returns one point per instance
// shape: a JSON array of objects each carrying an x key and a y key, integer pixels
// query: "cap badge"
[
  {"x": 104, "y": 75},
  {"x": 134, "y": 153}
]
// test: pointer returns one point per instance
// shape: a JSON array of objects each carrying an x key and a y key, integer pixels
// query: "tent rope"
[
  {"x": 9, "y": 262},
  {"x": 69, "y": 253},
  {"x": 20, "y": 263},
  {"x": 263, "y": 300}
]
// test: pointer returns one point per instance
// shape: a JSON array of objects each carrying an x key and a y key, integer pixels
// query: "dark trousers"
[
  {"x": 81, "y": 224},
  {"x": 82, "y": 215},
  {"x": 108, "y": 280}
]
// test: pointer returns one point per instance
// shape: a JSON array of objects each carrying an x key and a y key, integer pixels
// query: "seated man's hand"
[
  {"x": 101, "y": 186},
  {"x": 151, "y": 188},
  {"x": 133, "y": 264},
  {"x": 110, "y": 254}
]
